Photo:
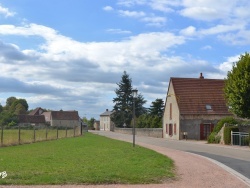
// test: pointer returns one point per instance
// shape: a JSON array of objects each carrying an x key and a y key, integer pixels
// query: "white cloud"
[
  {"x": 108, "y": 8},
  {"x": 202, "y": 13},
  {"x": 6, "y": 12},
  {"x": 154, "y": 20},
  {"x": 241, "y": 37},
  {"x": 189, "y": 31},
  {"x": 134, "y": 14},
  {"x": 228, "y": 64},
  {"x": 118, "y": 31}
]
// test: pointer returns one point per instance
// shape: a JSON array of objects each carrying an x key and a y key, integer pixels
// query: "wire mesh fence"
[{"x": 15, "y": 135}]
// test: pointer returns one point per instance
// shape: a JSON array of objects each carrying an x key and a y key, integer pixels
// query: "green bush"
[
  {"x": 228, "y": 120},
  {"x": 216, "y": 139},
  {"x": 227, "y": 134}
]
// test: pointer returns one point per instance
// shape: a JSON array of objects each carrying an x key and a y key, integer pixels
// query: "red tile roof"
[
  {"x": 31, "y": 119},
  {"x": 194, "y": 94},
  {"x": 65, "y": 115},
  {"x": 36, "y": 111}
]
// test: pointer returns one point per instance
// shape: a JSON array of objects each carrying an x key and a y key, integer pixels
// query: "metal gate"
[{"x": 239, "y": 138}]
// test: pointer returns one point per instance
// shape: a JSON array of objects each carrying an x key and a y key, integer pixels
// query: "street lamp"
[{"x": 134, "y": 94}]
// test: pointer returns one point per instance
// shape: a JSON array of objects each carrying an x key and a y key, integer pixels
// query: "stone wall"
[{"x": 150, "y": 132}]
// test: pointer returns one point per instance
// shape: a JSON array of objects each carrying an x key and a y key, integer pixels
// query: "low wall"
[{"x": 150, "y": 132}]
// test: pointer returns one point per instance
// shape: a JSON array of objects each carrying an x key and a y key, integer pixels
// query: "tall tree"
[
  {"x": 157, "y": 108},
  {"x": 123, "y": 107},
  {"x": 237, "y": 87}
]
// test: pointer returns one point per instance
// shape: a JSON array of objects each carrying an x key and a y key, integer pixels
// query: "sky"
[{"x": 71, "y": 54}]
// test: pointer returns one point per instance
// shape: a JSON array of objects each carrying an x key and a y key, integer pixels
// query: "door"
[{"x": 205, "y": 130}]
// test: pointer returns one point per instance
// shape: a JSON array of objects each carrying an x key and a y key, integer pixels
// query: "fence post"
[
  {"x": 34, "y": 133},
  {"x": 240, "y": 138},
  {"x": 231, "y": 137},
  {"x": 56, "y": 132},
  {"x": 74, "y": 131},
  {"x": 66, "y": 131},
  {"x": 19, "y": 135},
  {"x": 2, "y": 136},
  {"x": 46, "y": 132}
]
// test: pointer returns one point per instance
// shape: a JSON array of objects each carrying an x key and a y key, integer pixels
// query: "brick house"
[
  {"x": 193, "y": 106},
  {"x": 105, "y": 121},
  {"x": 62, "y": 118}
]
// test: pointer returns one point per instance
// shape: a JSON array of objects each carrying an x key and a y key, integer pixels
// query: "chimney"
[{"x": 201, "y": 76}]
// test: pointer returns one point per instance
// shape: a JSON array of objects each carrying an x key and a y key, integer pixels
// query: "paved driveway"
[{"x": 237, "y": 158}]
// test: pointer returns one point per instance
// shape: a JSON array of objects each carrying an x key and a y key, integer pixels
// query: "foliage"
[
  {"x": 227, "y": 133},
  {"x": 157, "y": 108},
  {"x": 123, "y": 108},
  {"x": 237, "y": 87},
  {"x": 227, "y": 120},
  {"x": 14, "y": 107},
  {"x": 213, "y": 137},
  {"x": 153, "y": 119},
  {"x": 123, "y": 164},
  {"x": 149, "y": 121}
]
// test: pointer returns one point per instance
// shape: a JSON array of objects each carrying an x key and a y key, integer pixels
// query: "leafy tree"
[
  {"x": 157, "y": 108},
  {"x": 19, "y": 106},
  {"x": 10, "y": 101},
  {"x": 91, "y": 122},
  {"x": 237, "y": 87},
  {"x": 123, "y": 108},
  {"x": 149, "y": 121},
  {"x": 19, "y": 109},
  {"x": 14, "y": 107}
]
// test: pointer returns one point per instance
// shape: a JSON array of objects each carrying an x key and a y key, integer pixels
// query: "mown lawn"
[{"x": 90, "y": 159}]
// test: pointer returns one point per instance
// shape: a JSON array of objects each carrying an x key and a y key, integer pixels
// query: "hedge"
[{"x": 227, "y": 134}]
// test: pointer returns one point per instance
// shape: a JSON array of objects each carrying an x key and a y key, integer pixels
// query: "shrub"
[
  {"x": 227, "y": 133},
  {"x": 211, "y": 138},
  {"x": 228, "y": 120},
  {"x": 216, "y": 139}
]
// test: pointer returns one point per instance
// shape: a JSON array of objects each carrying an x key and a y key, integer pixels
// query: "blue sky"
[{"x": 70, "y": 54}]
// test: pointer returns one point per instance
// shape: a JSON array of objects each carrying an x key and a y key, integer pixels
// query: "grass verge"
[{"x": 90, "y": 159}]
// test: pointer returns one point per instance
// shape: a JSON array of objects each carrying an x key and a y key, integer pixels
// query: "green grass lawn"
[{"x": 90, "y": 159}]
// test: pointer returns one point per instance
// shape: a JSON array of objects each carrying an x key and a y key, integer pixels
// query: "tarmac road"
[{"x": 235, "y": 157}]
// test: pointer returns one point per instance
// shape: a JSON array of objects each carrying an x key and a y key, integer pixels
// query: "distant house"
[
  {"x": 53, "y": 118},
  {"x": 34, "y": 120},
  {"x": 193, "y": 106},
  {"x": 62, "y": 118},
  {"x": 105, "y": 121}
]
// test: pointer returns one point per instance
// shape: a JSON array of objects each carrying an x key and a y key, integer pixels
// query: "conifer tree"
[{"x": 123, "y": 108}]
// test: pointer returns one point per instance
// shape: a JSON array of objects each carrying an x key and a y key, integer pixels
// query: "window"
[
  {"x": 170, "y": 111},
  {"x": 208, "y": 107},
  {"x": 175, "y": 128},
  {"x": 170, "y": 129}
]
